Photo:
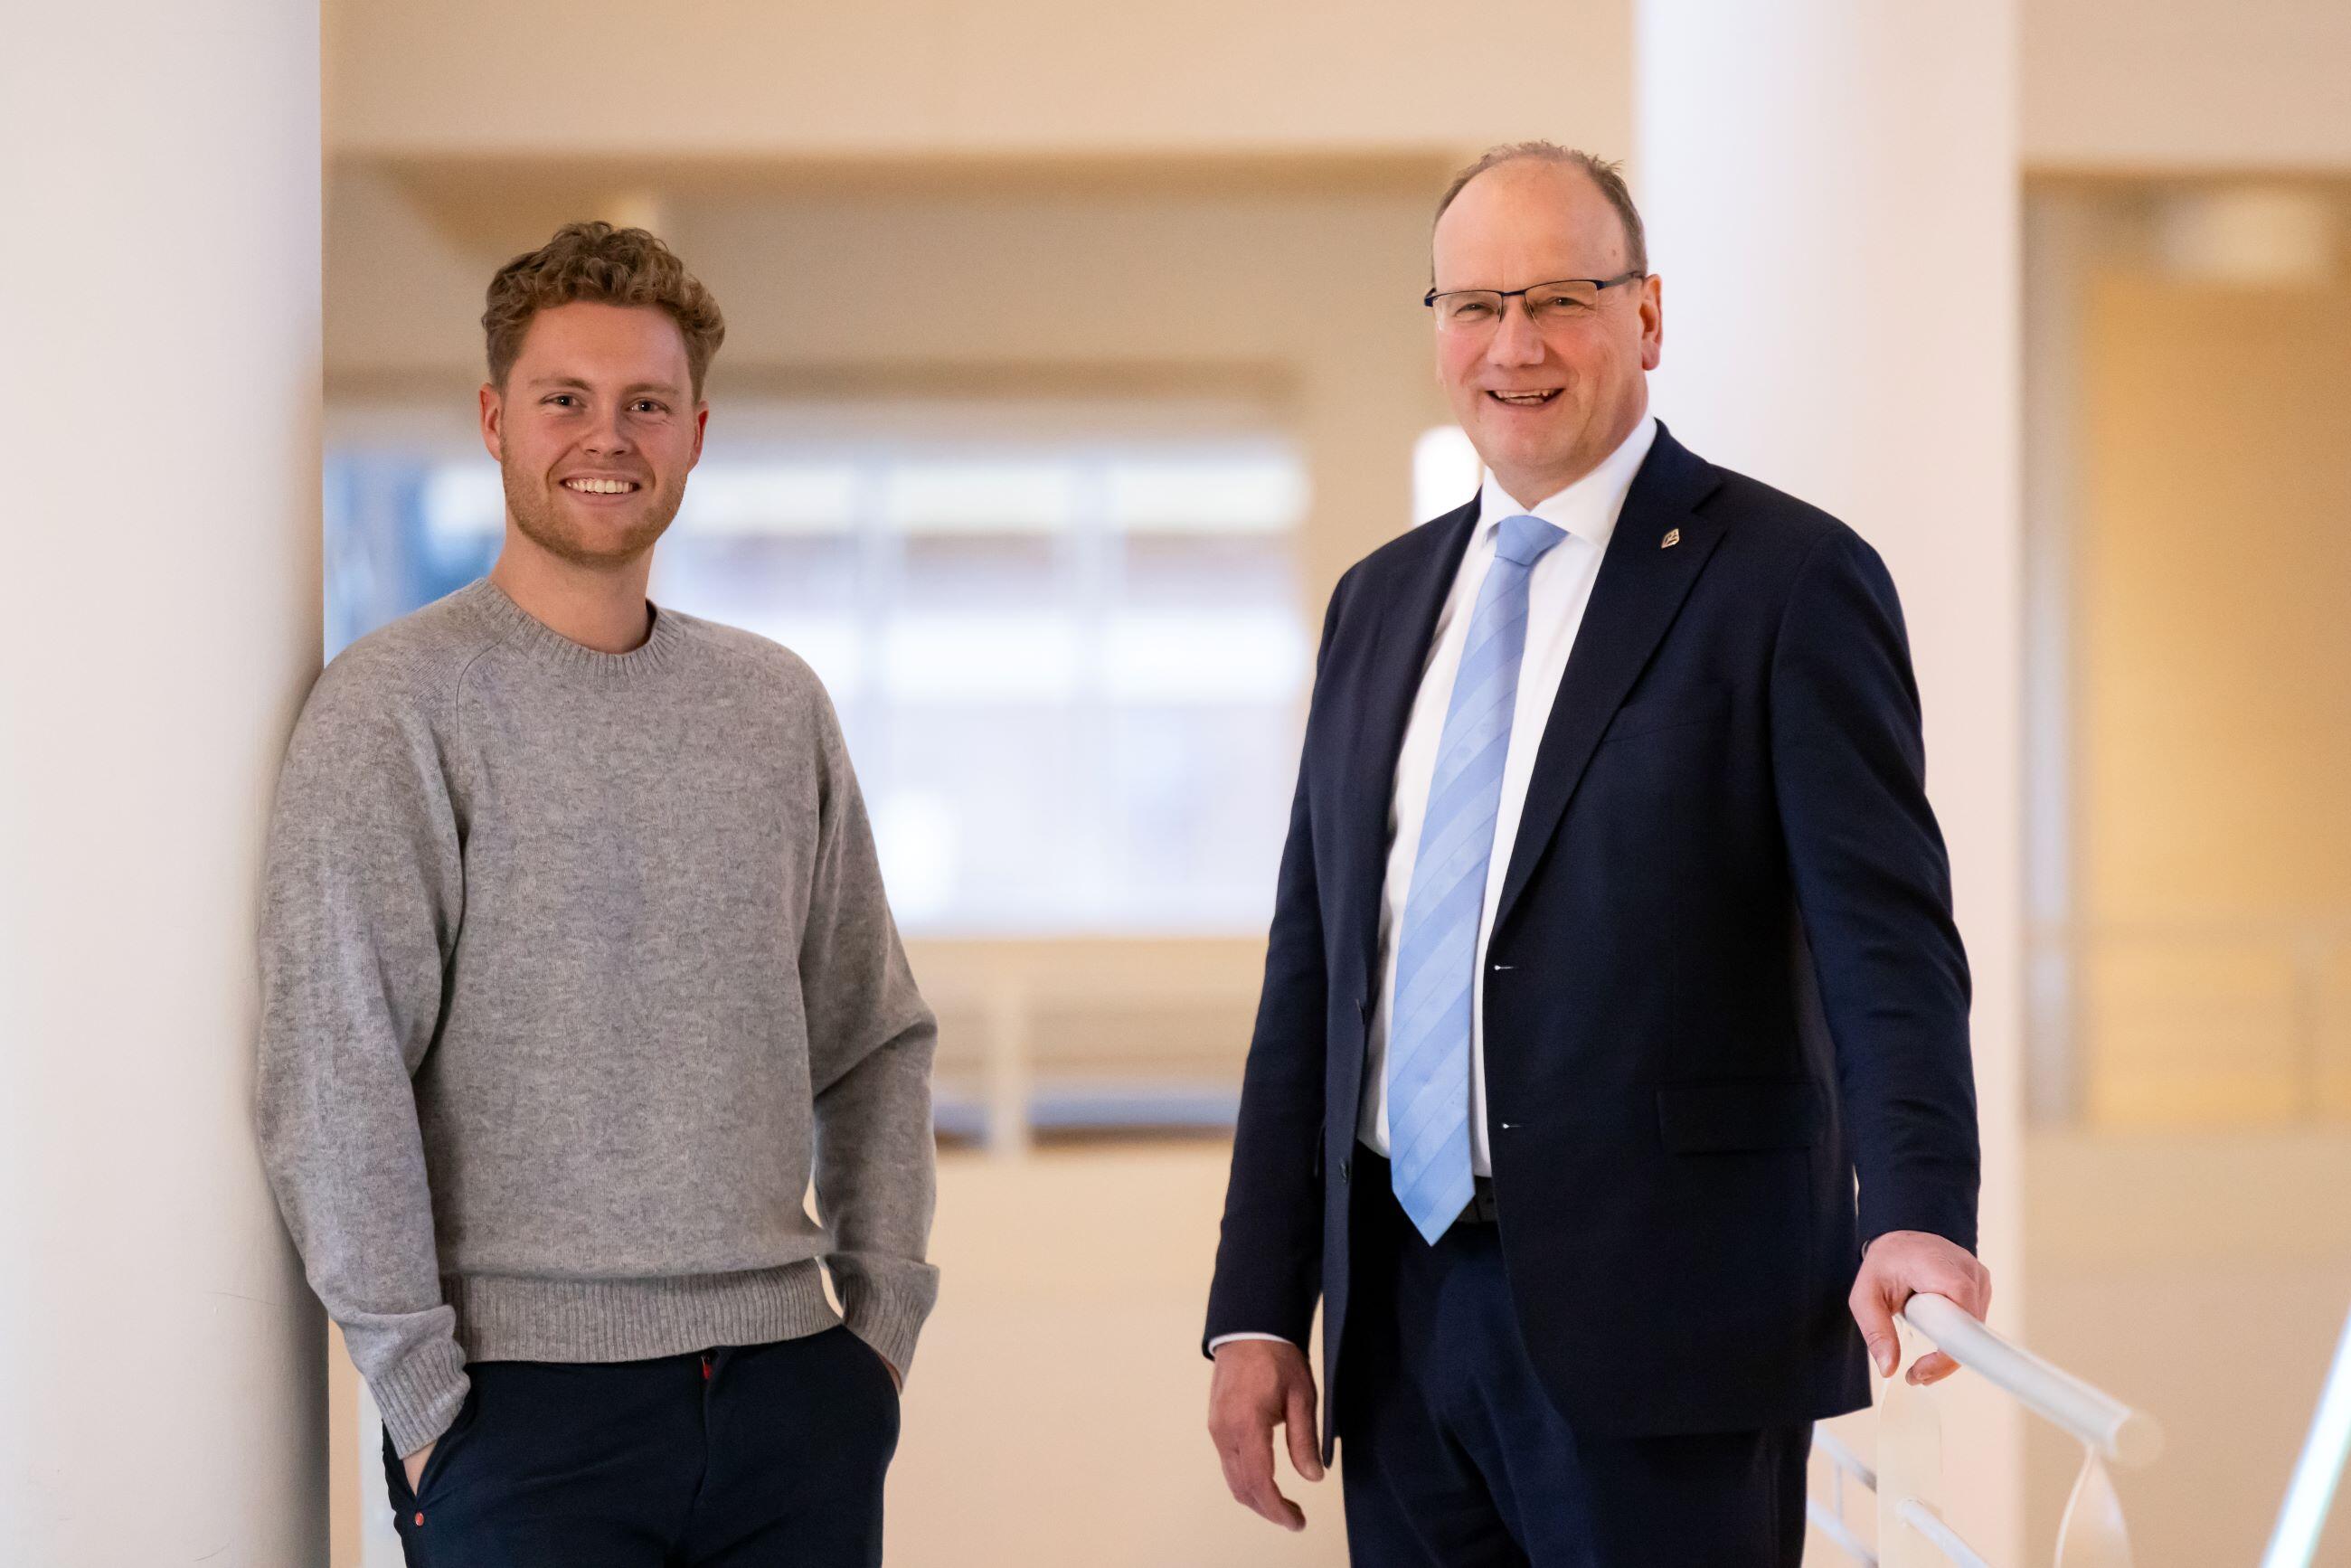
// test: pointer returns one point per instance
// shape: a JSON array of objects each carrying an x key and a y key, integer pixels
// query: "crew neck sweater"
[{"x": 577, "y": 978}]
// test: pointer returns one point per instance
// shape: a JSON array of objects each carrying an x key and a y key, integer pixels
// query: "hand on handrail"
[
  {"x": 2126, "y": 1436},
  {"x": 1903, "y": 1263}
]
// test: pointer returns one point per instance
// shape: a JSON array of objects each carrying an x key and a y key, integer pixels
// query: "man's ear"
[
  {"x": 701, "y": 428},
  {"x": 493, "y": 418}
]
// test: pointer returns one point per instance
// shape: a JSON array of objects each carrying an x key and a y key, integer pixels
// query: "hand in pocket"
[{"x": 414, "y": 1463}]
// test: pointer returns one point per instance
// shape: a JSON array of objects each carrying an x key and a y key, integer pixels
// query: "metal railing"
[
  {"x": 1911, "y": 1532},
  {"x": 2316, "y": 1474},
  {"x": 1007, "y": 1068}
]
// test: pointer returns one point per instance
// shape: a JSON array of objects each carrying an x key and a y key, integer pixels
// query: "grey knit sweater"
[{"x": 576, "y": 970}]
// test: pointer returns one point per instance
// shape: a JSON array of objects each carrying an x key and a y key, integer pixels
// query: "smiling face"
[
  {"x": 1543, "y": 404},
  {"x": 595, "y": 430}
]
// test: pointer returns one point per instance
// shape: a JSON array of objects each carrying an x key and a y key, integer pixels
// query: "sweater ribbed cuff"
[
  {"x": 887, "y": 1312},
  {"x": 420, "y": 1397}
]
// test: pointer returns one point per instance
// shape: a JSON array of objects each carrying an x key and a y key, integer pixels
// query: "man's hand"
[
  {"x": 416, "y": 1462},
  {"x": 1903, "y": 1263},
  {"x": 1261, "y": 1383}
]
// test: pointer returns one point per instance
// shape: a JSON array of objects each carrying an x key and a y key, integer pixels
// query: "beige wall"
[
  {"x": 2192, "y": 1274},
  {"x": 2105, "y": 83},
  {"x": 933, "y": 76},
  {"x": 2186, "y": 84},
  {"x": 2213, "y": 673},
  {"x": 2217, "y": 554},
  {"x": 2193, "y": 531}
]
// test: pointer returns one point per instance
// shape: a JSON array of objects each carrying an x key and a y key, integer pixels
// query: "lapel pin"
[{"x": 1672, "y": 540}]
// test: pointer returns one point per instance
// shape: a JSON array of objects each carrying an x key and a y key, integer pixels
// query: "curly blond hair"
[{"x": 597, "y": 262}]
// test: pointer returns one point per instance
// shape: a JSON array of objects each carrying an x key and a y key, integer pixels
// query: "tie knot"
[{"x": 1524, "y": 538}]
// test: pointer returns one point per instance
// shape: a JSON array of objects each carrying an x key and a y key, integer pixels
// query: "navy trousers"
[
  {"x": 1453, "y": 1455},
  {"x": 747, "y": 1457}
]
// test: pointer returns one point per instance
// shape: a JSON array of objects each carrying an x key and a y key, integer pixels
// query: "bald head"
[{"x": 1607, "y": 178}]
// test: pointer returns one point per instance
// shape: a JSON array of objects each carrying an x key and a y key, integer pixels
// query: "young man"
[{"x": 576, "y": 970}]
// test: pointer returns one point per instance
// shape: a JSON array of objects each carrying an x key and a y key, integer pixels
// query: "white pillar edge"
[
  {"x": 160, "y": 305},
  {"x": 1833, "y": 192}
]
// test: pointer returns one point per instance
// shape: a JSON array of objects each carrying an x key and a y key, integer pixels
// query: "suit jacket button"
[{"x": 1346, "y": 1167}]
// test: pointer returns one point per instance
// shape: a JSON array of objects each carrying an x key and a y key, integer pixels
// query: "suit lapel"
[
  {"x": 1640, "y": 588},
  {"x": 1391, "y": 680}
]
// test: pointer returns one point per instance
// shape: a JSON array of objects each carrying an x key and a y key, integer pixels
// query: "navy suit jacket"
[{"x": 1722, "y": 982}]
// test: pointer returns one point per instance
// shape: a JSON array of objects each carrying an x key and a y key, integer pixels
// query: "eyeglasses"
[{"x": 1548, "y": 304}]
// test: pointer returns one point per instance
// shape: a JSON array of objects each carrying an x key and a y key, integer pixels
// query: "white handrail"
[
  {"x": 1840, "y": 1533},
  {"x": 1911, "y": 1530},
  {"x": 2127, "y": 1437},
  {"x": 1844, "y": 1459},
  {"x": 1945, "y": 1540},
  {"x": 2317, "y": 1472}
]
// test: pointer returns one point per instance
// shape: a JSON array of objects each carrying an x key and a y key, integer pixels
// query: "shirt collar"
[{"x": 1587, "y": 509}]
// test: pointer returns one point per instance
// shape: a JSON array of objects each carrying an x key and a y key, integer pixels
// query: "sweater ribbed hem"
[
  {"x": 420, "y": 1397},
  {"x": 519, "y": 630},
  {"x": 512, "y": 1317}
]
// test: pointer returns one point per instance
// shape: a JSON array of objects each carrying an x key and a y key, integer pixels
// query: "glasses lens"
[
  {"x": 1562, "y": 301},
  {"x": 1468, "y": 308}
]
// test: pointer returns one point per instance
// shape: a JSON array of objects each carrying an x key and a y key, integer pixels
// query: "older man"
[{"x": 1613, "y": 942}]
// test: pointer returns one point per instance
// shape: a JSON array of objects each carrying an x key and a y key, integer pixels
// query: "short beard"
[{"x": 533, "y": 511}]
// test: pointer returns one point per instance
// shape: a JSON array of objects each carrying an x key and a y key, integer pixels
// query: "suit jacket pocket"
[
  {"x": 1676, "y": 710},
  {"x": 1739, "y": 1113}
]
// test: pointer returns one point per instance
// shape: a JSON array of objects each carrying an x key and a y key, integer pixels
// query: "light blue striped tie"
[{"x": 1436, "y": 961}]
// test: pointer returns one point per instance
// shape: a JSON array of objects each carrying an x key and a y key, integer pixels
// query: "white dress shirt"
[{"x": 1557, "y": 591}]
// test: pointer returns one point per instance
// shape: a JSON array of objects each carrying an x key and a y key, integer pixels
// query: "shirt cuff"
[{"x": 1229, "y": 1338}]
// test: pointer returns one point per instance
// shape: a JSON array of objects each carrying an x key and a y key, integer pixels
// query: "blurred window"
[
  {"x": 1071, "y": 668},
  {"x": 1446, "y": 472}
]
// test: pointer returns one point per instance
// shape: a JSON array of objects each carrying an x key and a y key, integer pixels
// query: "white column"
[
  {"x": 161, "y": 1393},
  {"x": 1831, "y": 191}
]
